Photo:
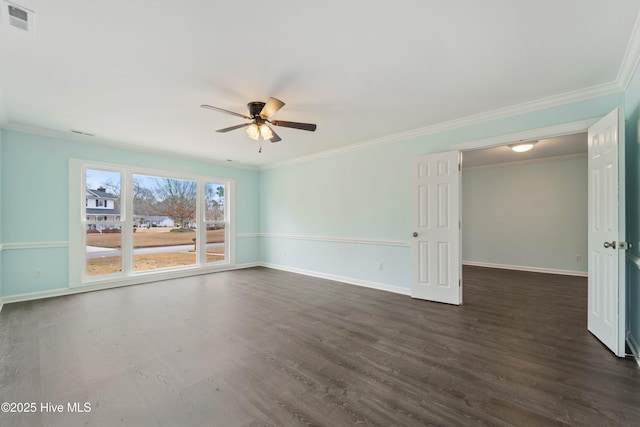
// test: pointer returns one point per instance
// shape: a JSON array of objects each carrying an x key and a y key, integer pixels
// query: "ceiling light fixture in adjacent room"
[{"x": 523, "y": 146}]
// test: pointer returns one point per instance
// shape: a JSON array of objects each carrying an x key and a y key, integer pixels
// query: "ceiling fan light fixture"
[
  {"x": 259, "y": 132},
  {"x": 259, "y": 115},
  {"x": 522, "y": 147},
  {"x": 265, "y": 132},
  {"x": 253, "y": 132}
]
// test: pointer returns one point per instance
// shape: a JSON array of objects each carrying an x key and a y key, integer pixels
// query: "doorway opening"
[
  {"x": 527, "y": 211},
  {"x": 606, "y": 217}
]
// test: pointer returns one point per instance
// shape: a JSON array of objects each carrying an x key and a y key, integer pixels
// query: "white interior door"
[
  {"x": 436, "y": 228},
  {"x": 606, "y": 294}
]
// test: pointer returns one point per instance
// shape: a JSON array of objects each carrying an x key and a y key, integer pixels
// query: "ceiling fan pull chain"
[{"x": 260, "y": 145}]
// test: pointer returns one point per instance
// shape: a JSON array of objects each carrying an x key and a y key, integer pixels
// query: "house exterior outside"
[
  {"x": 101, "y": 206},
  {"x": 153, "y": 221}
]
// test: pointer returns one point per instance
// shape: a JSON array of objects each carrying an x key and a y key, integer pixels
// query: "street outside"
[
  {"x": 100, "y": 252},
  {"x": 154, "y": 248}
]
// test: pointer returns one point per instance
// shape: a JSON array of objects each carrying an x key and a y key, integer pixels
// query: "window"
[
  {"x": 103, "y": 238},
  {"x": 214, "y": 220},
  {"x": 165, "y": 208},
  {"x": 145, "y": 223}
]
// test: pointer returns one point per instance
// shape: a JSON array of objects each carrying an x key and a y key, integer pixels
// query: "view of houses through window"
[
  {"x": 163, "y": 222},
  {"x": 104, "y": 222}
]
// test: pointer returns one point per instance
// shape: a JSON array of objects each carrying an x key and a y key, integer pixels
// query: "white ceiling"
[{"x": 136, "y": 72}]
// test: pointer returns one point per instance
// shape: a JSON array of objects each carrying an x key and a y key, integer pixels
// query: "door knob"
[
  {"x": 415, "y": 234},
  {"x": 611, "y": 245}
]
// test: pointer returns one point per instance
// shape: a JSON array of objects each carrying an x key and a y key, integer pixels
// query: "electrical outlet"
[
  {"x": 380, "y": 265},
  {"x": 38, "y": 273},
  {"x": 578, "y": 258},
  {"x": 284, "y": 254}
]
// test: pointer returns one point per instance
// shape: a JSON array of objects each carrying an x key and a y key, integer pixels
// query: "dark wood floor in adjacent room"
[{"x": 263, "y": 347}]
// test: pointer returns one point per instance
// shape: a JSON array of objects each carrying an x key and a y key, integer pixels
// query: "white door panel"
[
  {"x": 435, "y": 221},
  {"x": 606, "y": 306}
]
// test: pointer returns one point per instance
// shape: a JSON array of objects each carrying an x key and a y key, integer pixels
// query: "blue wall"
[
  {"x": 344, "y": 216},
  {"x": 632, "y": 111},
  {"x": 35, "y": 203},
  {"x": 333, "y": 215}
]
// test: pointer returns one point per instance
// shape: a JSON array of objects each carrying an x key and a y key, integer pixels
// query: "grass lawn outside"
[
  {"x": 110, "y": 265},
  {"x": 147, "y": 238},
  {"x": 152, "y": 237}
]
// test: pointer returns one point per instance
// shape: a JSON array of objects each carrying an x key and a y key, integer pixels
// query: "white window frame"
[{"x": 127, "y": 276}]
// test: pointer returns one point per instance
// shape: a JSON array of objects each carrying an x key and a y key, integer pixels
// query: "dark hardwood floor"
[{"x": 264, "y": 347}]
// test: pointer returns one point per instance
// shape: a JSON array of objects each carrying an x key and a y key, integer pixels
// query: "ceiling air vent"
[{"x": 18, "y": 17}]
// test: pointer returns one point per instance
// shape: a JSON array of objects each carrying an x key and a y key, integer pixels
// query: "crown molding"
[
  {"x": 500, "y": 113},
  {"x": 52, "y": 133},
  {"x": 631, "y": 57},
  {"x": 626, "y": 71}
]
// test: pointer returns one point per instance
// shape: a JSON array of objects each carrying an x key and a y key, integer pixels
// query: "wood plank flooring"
[{"x": 263, "y": 347}]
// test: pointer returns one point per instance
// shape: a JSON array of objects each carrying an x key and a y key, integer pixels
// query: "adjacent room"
[
  {"x": 332, "y": 214},
  {"x": 527, "y": 210}
]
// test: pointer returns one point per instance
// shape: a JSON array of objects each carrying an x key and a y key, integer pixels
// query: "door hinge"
[{"x": 459, "y": 166}]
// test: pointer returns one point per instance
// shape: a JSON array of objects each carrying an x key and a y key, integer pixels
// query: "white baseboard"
[
  {"x": 343, "y": 279},
  {"x": 634, "y": 346},
  {"x": 90, "y": 288},
  {"x": 526, "y": 268},
  {"x": 76, "y": 290}
]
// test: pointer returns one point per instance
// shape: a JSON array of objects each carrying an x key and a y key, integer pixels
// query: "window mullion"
[
  {"x": 201, "y": 230},
  {"x": 126, "y": 207}
]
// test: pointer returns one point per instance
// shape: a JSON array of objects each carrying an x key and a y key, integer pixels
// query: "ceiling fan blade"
[
  {"x": 275, "y": 137},
  {"x": 271, "y": 107},
  {"x": 233, "y": 128},
  {"x": 295, "y": 125},
  {"x": 222, "y": 110}
]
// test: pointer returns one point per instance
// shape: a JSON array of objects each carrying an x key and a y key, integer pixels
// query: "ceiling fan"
[{"x": 260, "y": 114}]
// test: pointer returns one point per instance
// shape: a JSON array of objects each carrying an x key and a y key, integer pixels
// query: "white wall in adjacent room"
[{"x": 527, "y": 215}]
